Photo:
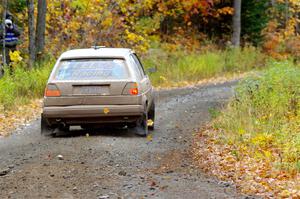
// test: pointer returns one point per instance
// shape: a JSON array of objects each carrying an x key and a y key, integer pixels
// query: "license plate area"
[{"x": 91, "y": 90}]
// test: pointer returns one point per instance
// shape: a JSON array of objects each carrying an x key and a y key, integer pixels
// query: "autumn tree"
[
  {"x": 137, "y": 24},
  {"x": 254, "y": 19}
]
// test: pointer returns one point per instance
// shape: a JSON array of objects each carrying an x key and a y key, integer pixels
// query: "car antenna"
[{"x": 98, "y": 47}]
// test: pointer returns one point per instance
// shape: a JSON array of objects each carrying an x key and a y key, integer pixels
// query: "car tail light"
[
  {"x": 131, "y": 89},
  {"x": 52, "y": 91}
]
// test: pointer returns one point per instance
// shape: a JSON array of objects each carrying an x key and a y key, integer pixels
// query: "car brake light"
[
  {"x": 131, "y": 89},
  {"x": 52, "y": 91},
  {"x": 134, "y": 91}
]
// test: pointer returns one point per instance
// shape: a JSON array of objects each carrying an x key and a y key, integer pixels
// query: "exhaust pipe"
[{"x": 61, "y": 124}]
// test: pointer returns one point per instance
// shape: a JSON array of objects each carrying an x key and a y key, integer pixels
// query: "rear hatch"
[{"x": 91, "y": 82}]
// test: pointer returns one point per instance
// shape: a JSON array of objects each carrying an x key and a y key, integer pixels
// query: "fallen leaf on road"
[
  {"x": 11, "y": 120},
  {"x": 252, "y": 176},
  {"x": 167, "y": 177},
  {"x": 150, "y": 123},
  {"x": 150, "y": 137},
  {"x": 153, "y": 184}
]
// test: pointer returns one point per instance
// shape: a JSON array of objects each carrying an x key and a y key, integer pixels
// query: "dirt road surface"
[{"x": 112, "y": 163}]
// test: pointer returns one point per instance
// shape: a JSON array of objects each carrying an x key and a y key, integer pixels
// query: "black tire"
[
  {"x": 141, "y": 128},
  {"x": 151, "y": 116},
  {"x": 46, "y": 129}
]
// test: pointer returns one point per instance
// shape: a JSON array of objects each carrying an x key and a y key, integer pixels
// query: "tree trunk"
[
  {"x": 4, "y": 4},
  {"x": 41, "y": 26},
  {"x": 31, "y": 33},
  {"x": 236, "y": 36}
]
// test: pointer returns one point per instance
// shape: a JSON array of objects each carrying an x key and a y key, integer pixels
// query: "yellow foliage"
[
  {"x": 263, "y": 140},
  {"x": 226, "y": 11},
  {"x": 15, "y": 57},
  {"x": 281, "y": 30}
]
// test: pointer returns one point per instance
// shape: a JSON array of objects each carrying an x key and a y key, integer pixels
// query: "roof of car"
[{"x": 96, "y": 52}]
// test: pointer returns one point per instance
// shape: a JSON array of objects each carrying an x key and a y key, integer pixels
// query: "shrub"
[{"x": 264, "y": 116}]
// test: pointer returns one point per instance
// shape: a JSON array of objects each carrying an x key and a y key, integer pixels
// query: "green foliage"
[
  {"x": 79, "y": 4},
  {"x": 24, "y": 84},
  {"x": 17, "y": 6},
  {"x": 135, "y": 24},
  {"x": 254, "y": 20},
  {"x": 214, "y": 113},
  {"x": 182, "y": 68},
  {"x": 265, "y": 116},
  {"x": 174, "y": 69},
  {"x": 148, "y": 24}
]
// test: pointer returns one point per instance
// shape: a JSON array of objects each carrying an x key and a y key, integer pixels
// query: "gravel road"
[{"x": 111, "y": 163}]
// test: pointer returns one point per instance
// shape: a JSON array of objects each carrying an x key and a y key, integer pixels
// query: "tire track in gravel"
[{"x": 114, "y": 163}]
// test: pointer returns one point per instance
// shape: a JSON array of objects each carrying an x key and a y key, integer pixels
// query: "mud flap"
[
  {"x": 151, "y": 117},
  {"x": 46, "y": 130},
  {"x": 141, "y": 128}
]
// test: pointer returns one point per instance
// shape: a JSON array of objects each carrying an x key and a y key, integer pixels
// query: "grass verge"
[
  {"x": 173, "y": 70},
  {"x": 24, "y": 85},
  {"x": 255, "y": 141},
  {"x": 185, "y": 68}
]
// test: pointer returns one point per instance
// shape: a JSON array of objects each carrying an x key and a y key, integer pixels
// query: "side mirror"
[{"x": 152, "y": 70}]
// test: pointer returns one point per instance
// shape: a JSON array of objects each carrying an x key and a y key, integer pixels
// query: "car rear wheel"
[
  {"x": 151, "y": 117},
  {"x": 141, "y": 128},
  {"x": 46, "y": 129}
]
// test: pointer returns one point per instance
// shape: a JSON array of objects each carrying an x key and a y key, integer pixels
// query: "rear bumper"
[{"x": 92, "y": 111}]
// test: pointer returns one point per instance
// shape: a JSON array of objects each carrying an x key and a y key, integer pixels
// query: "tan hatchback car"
[{"x": 98, "y": 87}]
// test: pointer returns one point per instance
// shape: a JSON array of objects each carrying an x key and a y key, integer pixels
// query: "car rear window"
[{"x": 92, "y": 69}]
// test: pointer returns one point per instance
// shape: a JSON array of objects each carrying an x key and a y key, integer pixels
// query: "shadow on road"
[{"x": 106, "y": 132}]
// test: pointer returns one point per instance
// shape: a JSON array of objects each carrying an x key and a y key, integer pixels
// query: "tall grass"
[
  {"x": 23, "y": 84},
  {"x": 264, "y": 117},
  {"x": 178, "y": 67},
  {"x": 172, "y": 70}
]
